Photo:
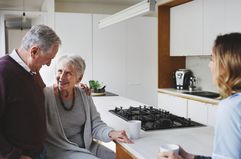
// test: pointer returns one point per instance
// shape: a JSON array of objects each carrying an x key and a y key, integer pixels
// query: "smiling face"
[{"x": 66, "y": 77}]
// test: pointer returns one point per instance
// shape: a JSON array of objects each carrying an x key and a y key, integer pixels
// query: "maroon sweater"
[{"x": 22, "y": 114}]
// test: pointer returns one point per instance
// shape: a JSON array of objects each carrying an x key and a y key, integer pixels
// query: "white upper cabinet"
[
  {"x": 109, "y": 55},
  {"x": 141, "y": 55},
  {"x": 232, "y": 16},
  {"x": 195, "y": 25},
  {"x": 186, "y": 29},
  {"x": 75, "y": 31},
  {"x": 213, "y": 23}
]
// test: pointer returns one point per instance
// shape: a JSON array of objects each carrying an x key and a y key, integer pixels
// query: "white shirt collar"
[{"x": 14, "y": 55}]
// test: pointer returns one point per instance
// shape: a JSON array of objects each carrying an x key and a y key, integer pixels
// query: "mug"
[
  {"x": 134, "y": 129},
  {"x": 169, "y": 148}
]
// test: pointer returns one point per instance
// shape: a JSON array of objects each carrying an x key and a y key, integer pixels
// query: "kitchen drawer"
[
  {"x": 198, "y": 111},
  {"x": 173, "y": 104}
]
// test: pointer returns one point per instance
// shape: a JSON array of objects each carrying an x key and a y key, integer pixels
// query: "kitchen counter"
[
  {"x": 178, "y": 93},
  {"x": 194, "y": 140}
]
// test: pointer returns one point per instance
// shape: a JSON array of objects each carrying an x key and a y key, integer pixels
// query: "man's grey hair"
[
  {"x": 74, "y": 60},
  {"x": 42, "y": 36}
]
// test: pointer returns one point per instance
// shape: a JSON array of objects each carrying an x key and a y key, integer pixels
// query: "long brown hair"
[{"x": 227, "y": 55}]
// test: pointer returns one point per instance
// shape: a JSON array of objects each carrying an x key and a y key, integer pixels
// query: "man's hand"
[
  {"x": 120, "y": 136},
  {"x": 85, "y": 88}
]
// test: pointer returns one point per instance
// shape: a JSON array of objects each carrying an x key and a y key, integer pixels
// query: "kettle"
[{"x": 182, "y": 78}]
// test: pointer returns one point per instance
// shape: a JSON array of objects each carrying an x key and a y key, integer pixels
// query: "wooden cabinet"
[
  {"x": 186, "y": 29},
  {"x": 122, "y": 153},
  {"x": 173, "y": 104}
]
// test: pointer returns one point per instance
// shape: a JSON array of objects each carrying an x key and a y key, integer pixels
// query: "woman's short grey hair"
[
  {"x": 42, "y": 36},
  {"x": 74, "y": 60}
]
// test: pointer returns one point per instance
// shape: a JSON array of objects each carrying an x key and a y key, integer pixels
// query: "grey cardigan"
[{"x": 57, "y": 144}]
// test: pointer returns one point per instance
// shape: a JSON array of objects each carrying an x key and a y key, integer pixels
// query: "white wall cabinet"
[
  {"x": 75, "y": 32},
  {"x": 196, "y": 24},
  {"x": 232, "y": 15},
  {"x": 213, "y": 23},
  {"x": 109, "y": 52},
  {"x": 141, "y": 63},
  {"x": 123, "y": 53},
  {"x": 173, "y": 104},
  {"x": 186, "y": 29},
  {"x": 122, "y": 56}
]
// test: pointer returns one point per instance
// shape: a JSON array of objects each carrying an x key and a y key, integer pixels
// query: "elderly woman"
[
  {"x": 72, "y": 119},
  {"x": 225, "y": 67}
]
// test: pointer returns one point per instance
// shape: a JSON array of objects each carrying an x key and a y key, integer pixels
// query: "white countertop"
[
  {"x": 179, "y": 93},
  {"x": 195, "y": 140}
]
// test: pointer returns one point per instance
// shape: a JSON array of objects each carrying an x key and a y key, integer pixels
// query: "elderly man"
[{"x": 22, "y": 113}]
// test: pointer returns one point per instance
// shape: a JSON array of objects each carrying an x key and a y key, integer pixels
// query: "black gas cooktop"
[{"x": 153, "y": 118}]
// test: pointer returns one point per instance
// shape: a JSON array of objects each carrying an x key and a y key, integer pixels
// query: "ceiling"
[{"x": 35, "y": 5}]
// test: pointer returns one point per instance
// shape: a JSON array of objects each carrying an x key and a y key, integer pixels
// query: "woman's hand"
[
  {"x": 120, "y": 136},
  {"x": 170, "y": 155}
]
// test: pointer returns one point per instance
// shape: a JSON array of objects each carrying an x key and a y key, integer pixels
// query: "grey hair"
[
  {"x": 42, "y": 36},
  {"x": 74, "y": 60}
]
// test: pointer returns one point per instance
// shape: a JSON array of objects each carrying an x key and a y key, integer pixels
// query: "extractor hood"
[
  {"x": 18, "y": 23},
  {"x": 138, "y": 9}
]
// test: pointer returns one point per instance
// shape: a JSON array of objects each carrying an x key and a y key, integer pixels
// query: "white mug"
[
  {"x": 134, "y": 128},
  {"x": 169, "y": 148}
]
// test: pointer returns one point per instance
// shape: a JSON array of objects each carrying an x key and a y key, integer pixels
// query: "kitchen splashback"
[{"x": 199, "y": 67}]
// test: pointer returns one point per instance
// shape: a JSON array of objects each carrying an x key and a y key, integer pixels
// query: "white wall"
[
  {"x": 199, "y": 66},
  {"x": 14, "y": 38},
  {"x": 2, "y": 35}
]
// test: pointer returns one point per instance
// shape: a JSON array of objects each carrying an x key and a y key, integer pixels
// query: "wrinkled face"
[
  {"x": 212, "y": 66},
  {"x": 40, "y": 58},
  {"x": 66, "y": 77}
]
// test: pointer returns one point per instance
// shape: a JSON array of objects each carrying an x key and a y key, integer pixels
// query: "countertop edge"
[{"x": 179, "y": 93}]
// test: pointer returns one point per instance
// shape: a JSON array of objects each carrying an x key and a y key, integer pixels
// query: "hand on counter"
[
  {"x": 120, "y": 136},
  {"x": 171, "y": 155}
]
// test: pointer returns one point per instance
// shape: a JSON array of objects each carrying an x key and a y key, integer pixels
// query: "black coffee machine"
[{"x": 182, "y": 78}]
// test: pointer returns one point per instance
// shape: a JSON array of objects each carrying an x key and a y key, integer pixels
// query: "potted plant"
[{"x": 96, "y": 86}]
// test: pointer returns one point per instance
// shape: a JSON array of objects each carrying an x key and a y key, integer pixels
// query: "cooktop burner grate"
[{"x": 153, "y": 118}]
